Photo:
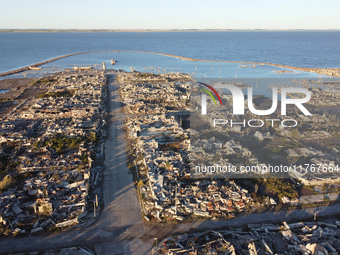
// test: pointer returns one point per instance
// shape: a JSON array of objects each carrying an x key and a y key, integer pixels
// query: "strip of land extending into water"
[{"x": 325, "y": 71}]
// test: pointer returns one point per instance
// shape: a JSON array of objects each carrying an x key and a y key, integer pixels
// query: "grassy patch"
[
  {"x": 6, "y": 182},
  {"x": 43, "y": 81},
  {"x": 65, "y": 93},
  {"x": 279, "y": 186},
  {"x": 59, "y": 142}
]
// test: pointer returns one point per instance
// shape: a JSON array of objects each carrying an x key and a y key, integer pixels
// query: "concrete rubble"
[
  {"x": 161, "y": 146},
  {"x": 53, "y": 148},
  {"x": 64, "y": 251},
  {"x": 239, "y": 145},
  {"x": 307, "y": 238}
]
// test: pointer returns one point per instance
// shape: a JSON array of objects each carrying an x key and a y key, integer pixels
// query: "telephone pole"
[{"x": 176, "y": 200}]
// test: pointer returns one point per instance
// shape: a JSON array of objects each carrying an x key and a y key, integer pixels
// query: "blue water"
[
  {"x": 147, "y": 62},
  {"x": 295, "y": 48}
]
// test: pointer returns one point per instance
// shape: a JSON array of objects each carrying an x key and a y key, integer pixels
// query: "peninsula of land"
[{"x": 335, "y": 72}]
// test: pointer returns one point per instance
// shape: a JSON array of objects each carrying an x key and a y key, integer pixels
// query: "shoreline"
[
  {"x": 325, "y": 71},
  {"x": 27, "y": 68}
]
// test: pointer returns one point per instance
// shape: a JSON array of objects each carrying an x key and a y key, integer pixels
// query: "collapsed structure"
[
  {"x": 156, "y": 108},
  {"x": 52, "y": 144},
  {"x": 295, "y": 238}
]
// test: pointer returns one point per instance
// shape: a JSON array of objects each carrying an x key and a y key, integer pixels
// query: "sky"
[{"x": 175, "y": 14}]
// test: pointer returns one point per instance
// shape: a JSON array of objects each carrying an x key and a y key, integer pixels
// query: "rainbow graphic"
[{"x": 209, "y": 93}]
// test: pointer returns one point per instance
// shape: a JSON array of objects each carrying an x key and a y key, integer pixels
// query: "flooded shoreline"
[{"x": 325, "y": 71}]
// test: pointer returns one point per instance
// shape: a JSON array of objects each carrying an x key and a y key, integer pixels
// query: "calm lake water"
[{"x": 295, "y": 48}]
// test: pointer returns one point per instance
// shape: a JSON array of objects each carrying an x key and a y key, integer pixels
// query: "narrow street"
[{"x": 119, "y": 228}]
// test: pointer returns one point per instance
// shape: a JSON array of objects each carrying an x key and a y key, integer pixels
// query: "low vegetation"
[
  {"x": 60, "y": 143},
  {"x": 279, "y": 186},
  {"x": 65, "y": 93},
  {"x": 43, "y": 81},
  {"x": 6, "y": 183}
]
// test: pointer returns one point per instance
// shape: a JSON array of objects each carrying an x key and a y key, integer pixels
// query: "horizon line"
[{"x": 56, "y": 30}]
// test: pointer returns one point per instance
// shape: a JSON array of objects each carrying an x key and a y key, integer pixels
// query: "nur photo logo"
[{"x": 239, "y": 98}]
